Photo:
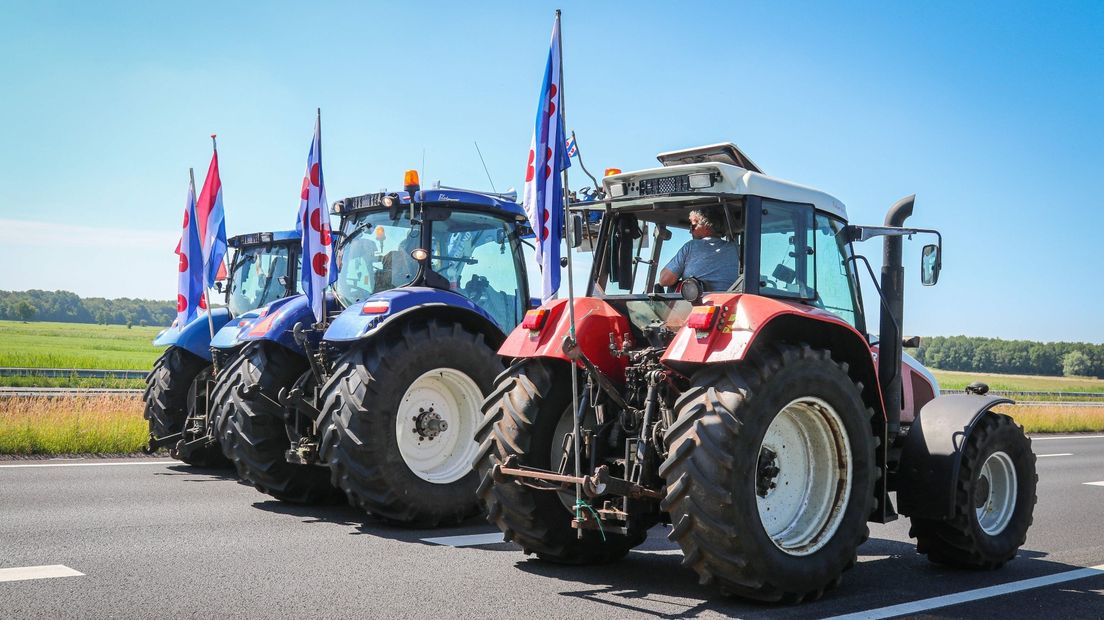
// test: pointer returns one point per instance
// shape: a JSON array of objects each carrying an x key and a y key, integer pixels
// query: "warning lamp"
[
  {"x": 612, "y": 171},
  {"x": 411, "y": 183},
  {"x": 534, "y": 319},
  {"x": 380, "y": 233},
  {"x": 702, "y": 317},
  {"x": 375, "y": 307}
]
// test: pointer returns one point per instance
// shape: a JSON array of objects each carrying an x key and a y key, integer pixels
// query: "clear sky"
[{"x": 990, "y": 112}]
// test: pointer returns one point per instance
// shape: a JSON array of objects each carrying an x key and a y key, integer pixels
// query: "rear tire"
[
  {"x": 167, "y": 386},
  {"x": 256, "y": 434},
  {"x": 374, "y": 400},
  {"x": 520, "y": 418},
  {"x": 770, "y": 474},
  {"x": 994, "y": 500}
]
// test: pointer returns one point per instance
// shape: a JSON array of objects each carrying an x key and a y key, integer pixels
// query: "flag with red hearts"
[
  {"x": 189, "y": 296},
  {"x": 314, "y": 225}
]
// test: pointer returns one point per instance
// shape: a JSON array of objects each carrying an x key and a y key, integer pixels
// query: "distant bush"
[
  {"x": 1017, "y": 357},
  {"x": 67, "y": 307}
]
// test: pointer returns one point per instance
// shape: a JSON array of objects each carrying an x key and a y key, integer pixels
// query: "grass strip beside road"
[
  {"x": 1056, "y": 418},
  {"x": 955, "y": 381},
  {"x": 101, "y": 424}
]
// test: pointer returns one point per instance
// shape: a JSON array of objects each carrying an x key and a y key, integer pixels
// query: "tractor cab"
[
  {"x": 703, "y": 223},
  {"x": 265, "y": 268}
]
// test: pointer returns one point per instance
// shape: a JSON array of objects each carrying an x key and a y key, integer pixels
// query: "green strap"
[{"x": 581, "y": 504}]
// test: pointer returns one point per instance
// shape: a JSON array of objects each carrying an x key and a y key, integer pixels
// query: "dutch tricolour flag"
[
  {"x": 543, "y": 196},
  {"x": 189, "y": 289},
  {"x": 314, "y": 225},
  {"x": 212, "y": 224}
]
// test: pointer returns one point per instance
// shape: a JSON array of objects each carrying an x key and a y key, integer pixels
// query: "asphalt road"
[{"x": 156, "y": 538}]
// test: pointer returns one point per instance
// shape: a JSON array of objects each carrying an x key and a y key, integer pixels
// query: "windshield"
[
  {"x": 256, "y": 277},
  {"x": 374, "y": 255},
  {"x": 654, "y": 250}
]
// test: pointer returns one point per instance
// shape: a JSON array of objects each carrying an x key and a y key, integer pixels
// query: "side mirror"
[
  {"x": 576, "y": 230},
  {"x": 930, "y": 264}
]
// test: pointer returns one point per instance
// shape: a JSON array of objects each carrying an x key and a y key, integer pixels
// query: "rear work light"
[
  {"x": 534, "y": 319},
  {"x": 702, "y": 317},
  {"x": 375, "y": 307}
]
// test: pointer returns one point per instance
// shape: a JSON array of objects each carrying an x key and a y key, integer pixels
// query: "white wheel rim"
[
  {"x": 453, "y": 398},
  {"x": 995, "y": 493},
  {"x": 812, "y": 485}
]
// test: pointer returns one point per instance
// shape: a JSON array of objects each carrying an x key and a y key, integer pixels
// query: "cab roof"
[
  {"x": 729, "y": 175},
  {"x": 257, "y": 238},
  {"x": 466, "y": 197}
]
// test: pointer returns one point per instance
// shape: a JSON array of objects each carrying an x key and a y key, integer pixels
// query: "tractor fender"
[
  {"x": 932, "y": 453},
  {"x": 597, "y": 326},
  {"x": 402, "y": 304},
  {"x": 747, "y": 321},
  {"x": 229, "y": 337},
  {"x": 194, "y": 336},
  {"x": 278, "y": 324}
]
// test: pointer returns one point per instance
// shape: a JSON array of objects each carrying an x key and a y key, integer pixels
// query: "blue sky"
[{"x": 990, "y": 113}]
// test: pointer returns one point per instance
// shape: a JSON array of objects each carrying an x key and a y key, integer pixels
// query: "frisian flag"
[
  {"x": 314, "y": 227},
  {"x": 212, "y": 222},
  {"x": 572, "y": 147},
  {"x": 189, "y": 296},
  {"x": 543, "y": 196}
]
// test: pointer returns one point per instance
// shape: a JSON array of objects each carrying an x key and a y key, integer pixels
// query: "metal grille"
[{"x": 665, "y": 185}]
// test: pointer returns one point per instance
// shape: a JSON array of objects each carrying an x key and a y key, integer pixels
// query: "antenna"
[
  {"x": 423, "y": 167},
  {"x": 485, "y": 167}
]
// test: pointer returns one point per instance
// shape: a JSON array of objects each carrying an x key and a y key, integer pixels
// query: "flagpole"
[
  {"x": 568, "y": 226},
  {"x": 323, "y": 211}
]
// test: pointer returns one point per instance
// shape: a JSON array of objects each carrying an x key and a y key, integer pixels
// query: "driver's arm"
[
  {"x": 676, "y": 268},
  {"x": 667, "y": 277}
]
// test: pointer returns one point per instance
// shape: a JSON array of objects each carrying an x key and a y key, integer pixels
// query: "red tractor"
[{"x": 728, "y": 387}]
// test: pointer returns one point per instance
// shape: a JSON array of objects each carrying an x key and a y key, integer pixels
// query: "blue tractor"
[
  {"x": 264, "y": 268},
  {"x": 388, "y": 397}
]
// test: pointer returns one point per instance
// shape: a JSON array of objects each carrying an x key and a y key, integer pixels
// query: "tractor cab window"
[
  {"x": 835, "y": 276},
  {"x": 786, "y": 247},
  {"x": 256, "y": 276},
  {"x": 374, "y": 255},
  {"x": 479, "y": 254}
]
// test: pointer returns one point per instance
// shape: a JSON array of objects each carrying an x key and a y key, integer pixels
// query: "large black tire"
[
  {"x": 364, "y": 399},
  {"x": 255, "y": 432},
  {"x": 521, "y": 417},
  {"x": 961, "y": 541},
  {"x": 200, "y": 402},
  {"x": 226, "y": 384},
  {"x": 716, "y": 473},
  {"x": 167, "y": 386}
]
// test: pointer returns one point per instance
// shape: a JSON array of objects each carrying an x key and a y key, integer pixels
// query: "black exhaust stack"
[{"x": 890, "y": 335}]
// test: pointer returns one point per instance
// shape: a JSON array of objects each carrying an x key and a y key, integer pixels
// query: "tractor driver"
[{"x": 708, "y": 256}]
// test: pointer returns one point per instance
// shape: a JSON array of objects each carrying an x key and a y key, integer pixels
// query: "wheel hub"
[{"x": 428, "y": 424}]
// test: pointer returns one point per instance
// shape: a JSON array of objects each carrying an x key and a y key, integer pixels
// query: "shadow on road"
[{"x": 211, "y": 474}]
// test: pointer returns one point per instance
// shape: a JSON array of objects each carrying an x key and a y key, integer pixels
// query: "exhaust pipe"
[{"x": 890, "y": 335}]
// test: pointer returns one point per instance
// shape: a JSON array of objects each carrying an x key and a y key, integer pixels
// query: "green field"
[
  {"x": 75, "y": 345},
  {"x": 954, "y": 381}
]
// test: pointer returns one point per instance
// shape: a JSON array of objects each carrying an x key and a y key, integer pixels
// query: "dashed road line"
[
  {"x": 1096, "y": 484},
  {"x": 25, "y": 573},
  {"x": 1043, "y": 456},
  {"x": 469, "y": 540},
  {"x": 972, "y": 595},
  {"x": 27, "y": 465},
  {"x": 1034, "y": 439}
]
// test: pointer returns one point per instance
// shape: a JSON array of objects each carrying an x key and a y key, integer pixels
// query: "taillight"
[
  {"x": 702, "y": 317},
  {"x": 534, "y": 319},
  {"x": 375, "y": 307}
]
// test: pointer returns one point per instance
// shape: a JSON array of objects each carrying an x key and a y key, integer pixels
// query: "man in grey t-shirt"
[{"x": 707, "y": 257}]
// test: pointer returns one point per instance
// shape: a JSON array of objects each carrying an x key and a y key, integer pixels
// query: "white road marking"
[
  {"x": 1043, "y": 456},
  {"x": 469, "y": 540},
  {"x": 1034, "y": 439},
  {"x": 1096, "y": 484},
  {"x": 972, "y": 595},
  {"x": 37, "y": 572},
  {"x": 22, "y": 465}
]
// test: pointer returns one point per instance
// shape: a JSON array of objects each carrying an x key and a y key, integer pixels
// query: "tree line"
[
  {"x": 1019, "y": 357},
  {"x": 67, "y": 307}
]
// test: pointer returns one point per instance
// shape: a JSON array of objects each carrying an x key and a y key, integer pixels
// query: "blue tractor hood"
[
  {"x": 229, "y": 337},
  {"x": 194, "y": 336},
  {"x": 278, "y": 323},
  {"x": 364, "y": 318}
]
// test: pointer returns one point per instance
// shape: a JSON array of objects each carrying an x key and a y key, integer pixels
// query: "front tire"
[
  {"x": 994, "y": 500},
  {"x": 523, "y": 417},
  {"x": 386, "y": 402},
  {"x": 167, "y": 387},
  {"x": 770, "y": 474},
  {"x": 256, "y": 433}
]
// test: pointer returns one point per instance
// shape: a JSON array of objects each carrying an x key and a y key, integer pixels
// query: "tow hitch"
[{"x": 156, "y": 443}]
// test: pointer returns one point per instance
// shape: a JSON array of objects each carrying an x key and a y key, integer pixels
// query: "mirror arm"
[{"x": 877, "y": 287}]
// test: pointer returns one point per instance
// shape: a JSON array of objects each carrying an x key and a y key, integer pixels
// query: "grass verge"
[
  {"x": 955, "y": 381},
  {"x": 77, "y": 345},
  {"x": 1056, "y": 418},
  {"x": 101, "y": 424}
]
